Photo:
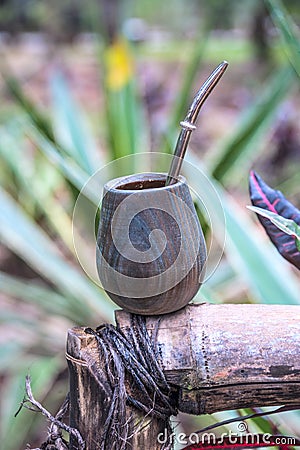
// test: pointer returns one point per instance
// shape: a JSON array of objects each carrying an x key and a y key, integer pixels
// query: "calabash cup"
[{"x": 151, "y": 251}]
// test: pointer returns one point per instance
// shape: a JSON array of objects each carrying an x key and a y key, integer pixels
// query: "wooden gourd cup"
[{"x": 151, "y": 252}]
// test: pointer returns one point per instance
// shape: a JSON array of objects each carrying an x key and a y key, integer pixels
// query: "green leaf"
[
  {"x": 37, "y": 118},
  {"x": 24, "y": 237},
  {"x": 37, "y": 180},
  {"x": 68, "y": 167},
  {"x": 125, "y": 117},
  {"x": 124, "y": 127},
  {"x": 247, "y": 135},
  {"x": 287, "y": 30},
  {"x": 183, "y": 100},
  {"x": 206, "y": 294},
  {"x": 9, "y": 352},
  {"x": 42, "y": 130},
  {"x": 70, "y": 127},
  {"x": 288, "y": 226},
  {"x": 190, "y": 73}
]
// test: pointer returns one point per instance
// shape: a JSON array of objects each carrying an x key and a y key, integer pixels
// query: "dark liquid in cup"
[{"x": 143, "y": 184}]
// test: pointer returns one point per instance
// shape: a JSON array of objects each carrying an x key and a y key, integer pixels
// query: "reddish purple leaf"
[{"x": 267, "y": 198}]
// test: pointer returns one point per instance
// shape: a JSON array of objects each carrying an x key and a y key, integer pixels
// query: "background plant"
[{"x": 49, "y": 149}]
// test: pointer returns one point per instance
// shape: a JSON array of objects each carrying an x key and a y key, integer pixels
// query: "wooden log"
[
  {"x": 90, "y": 402},
  {"x": 225, "y": 357},
  {"x": 218, "y": 357}
]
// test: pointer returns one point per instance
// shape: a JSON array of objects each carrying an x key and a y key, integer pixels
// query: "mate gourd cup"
[{"x": 150, "y": 248}]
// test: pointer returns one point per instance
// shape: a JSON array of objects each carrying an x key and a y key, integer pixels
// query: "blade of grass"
[
  {"x": 206, "y": 295},
  {"x": 191, "y": 71},
  {"x": 125, "y": 128},
  {"x": 47, "y": 299},
  {"x": 24, "y": 329},
  {"x": 223, "y": 276},
  {"x": 37, "y": 183},
  {"x": 70, "y": 127},
  {"x": 8, "y": 355},
  {"x": 264, "y": 425},
  {"x": 245, "y": 139},
  {"x": 66, "y": 165},
  {"x": 37, "y": 118},
  {"x": 24, "y": 237},
  {"x": 183, "y": 99},
  {"x": 287, "y": 30},
  {"x": 15, "y": 429}
]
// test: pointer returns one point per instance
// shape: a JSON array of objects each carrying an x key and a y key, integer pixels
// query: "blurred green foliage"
[
  {"x": 64, "y": 20},
  {"x": 47, "y": 156}
]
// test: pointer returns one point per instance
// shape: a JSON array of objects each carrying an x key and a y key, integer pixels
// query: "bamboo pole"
[{"x": 218, "y": 357}]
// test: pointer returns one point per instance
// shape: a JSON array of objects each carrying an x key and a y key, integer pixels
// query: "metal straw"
[{"x": 187, "y": 124}]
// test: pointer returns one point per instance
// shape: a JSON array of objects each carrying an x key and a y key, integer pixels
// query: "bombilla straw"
[{"x": 187, "y": 124}]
